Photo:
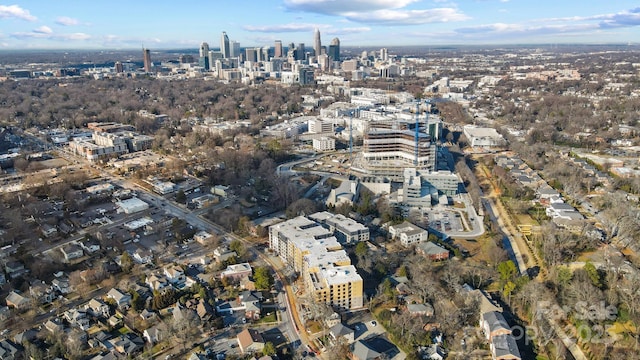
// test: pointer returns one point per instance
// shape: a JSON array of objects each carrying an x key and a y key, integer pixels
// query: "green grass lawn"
[{"x": 268, "y": 318}]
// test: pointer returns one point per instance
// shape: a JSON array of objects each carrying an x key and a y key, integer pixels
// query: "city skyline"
[{"x": 40, "y": 24}]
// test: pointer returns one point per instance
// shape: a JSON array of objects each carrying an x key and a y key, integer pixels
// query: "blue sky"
[{"x": 160, "y": 24}]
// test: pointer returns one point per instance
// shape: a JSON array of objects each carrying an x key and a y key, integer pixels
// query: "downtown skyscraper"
[
  {"x": 278, "y": 49},
  {"x": 204, "y": 56},
  {"x": 317, "y": 44},
  {"x": 224, "y": 45},
  {"x": 334, "y": 49},
  {"x": 146, "y": 60}
]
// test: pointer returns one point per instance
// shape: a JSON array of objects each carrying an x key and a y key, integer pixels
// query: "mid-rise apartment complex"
[
  {"x": 346, "y": 230},
  {"x": 314, "y": 251},
  {"x": 109, "y": 140}
]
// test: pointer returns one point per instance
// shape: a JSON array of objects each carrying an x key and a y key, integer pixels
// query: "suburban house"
[
  {"x": 250, "y": 341},
  {"x": 48, "y": 230},
  {"x": 143, "y": 256},
  {"x": 493, "y": 323},
  {"x": 71, "y": 252},
  {"x": 432, "y": 251},
  {"x": 222, "y": 253},
  {"x": 15, "y": 269},
  {"x": 127, "y": 344},
  {"x": 420, "y": 309},
  {"x": 373, "y": 348},
  {"x": 502, "y": 344},
  {"x": 202, "y": 237},
  {"x": 123, "y": 300},
  {"x": 147, "y": 315},
  {"x": 78, "y": 318},
  {"x": 205, "y": 311},
  {"x": 237, "y": 272},
  {"x": 362, "y": 352},
  {"x": 175, "y": 275},
  {"x": 433, "y": 352},
  {"x": 41, "y": 293},
  {"x": 61, "y": 284},
  {"x": 504, "y": 347},
  {"x": 15, "y": 300},
  {"x": 157, "y": 282},
  {"x": 54, "y": 326},
  {"x": 156, "y": 333},
  {"x": 340, "y": 330},
  {"x": 8, "y": 350},
  {"x": 563, "y": 211},
  {"x": 251, "y": 300},
  {"x": 98, "y": 308},
  {"x": 90, "y": 246}
]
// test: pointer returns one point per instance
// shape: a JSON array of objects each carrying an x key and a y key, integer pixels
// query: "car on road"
[{"x": 373, "y": 323}]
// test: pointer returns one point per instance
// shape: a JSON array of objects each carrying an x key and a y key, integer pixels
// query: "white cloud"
[
  {"x": 388, "y": 12},
  {"x": 75, "y": 36},
  {"x": 292, "y": 27},
  {"x": 339, "y": 7},
  {"x": 41, "y": 33},
  {"x": 118, "y": 41},
  {"x": 43, "y": 30},
  {"x": 509, "y": 31},
  {"x": 15, "y": 11},
  {"x": 67, "y": 21},
  {"x": 538, "y": 28},
  {"x": 408, "y": 17}
]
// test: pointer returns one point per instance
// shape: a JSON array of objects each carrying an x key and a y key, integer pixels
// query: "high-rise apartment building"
[
  {"x": 224, "y": 45},
  {"x": 334, "y": 49},
  {"x": 118, "y": 67},
  {"x": 278, "y": 49},
  {"x": 317, "y": 44},
  {"x": 146, "y": 60}
]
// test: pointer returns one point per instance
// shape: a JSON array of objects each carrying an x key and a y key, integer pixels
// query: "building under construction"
[{"x": 390, "y": 146}]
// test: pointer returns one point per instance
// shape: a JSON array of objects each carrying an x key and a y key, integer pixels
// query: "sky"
[{"x": 161, "y": 24}]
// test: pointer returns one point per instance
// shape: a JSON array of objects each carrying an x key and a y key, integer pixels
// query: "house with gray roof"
[
  {"x": 504, "y": 347},
  {"x": 122, "y": 299},
  {"x": 432, "y": 251},
  {"x": 493, "y": 323},
  {"x": 340, "y": 330},
  {"x": 16, "y": 300}
]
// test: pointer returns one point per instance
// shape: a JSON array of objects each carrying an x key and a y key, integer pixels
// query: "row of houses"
[
  {"x": 39, "y": 292},
  {"x": 563, "y": 214}
]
